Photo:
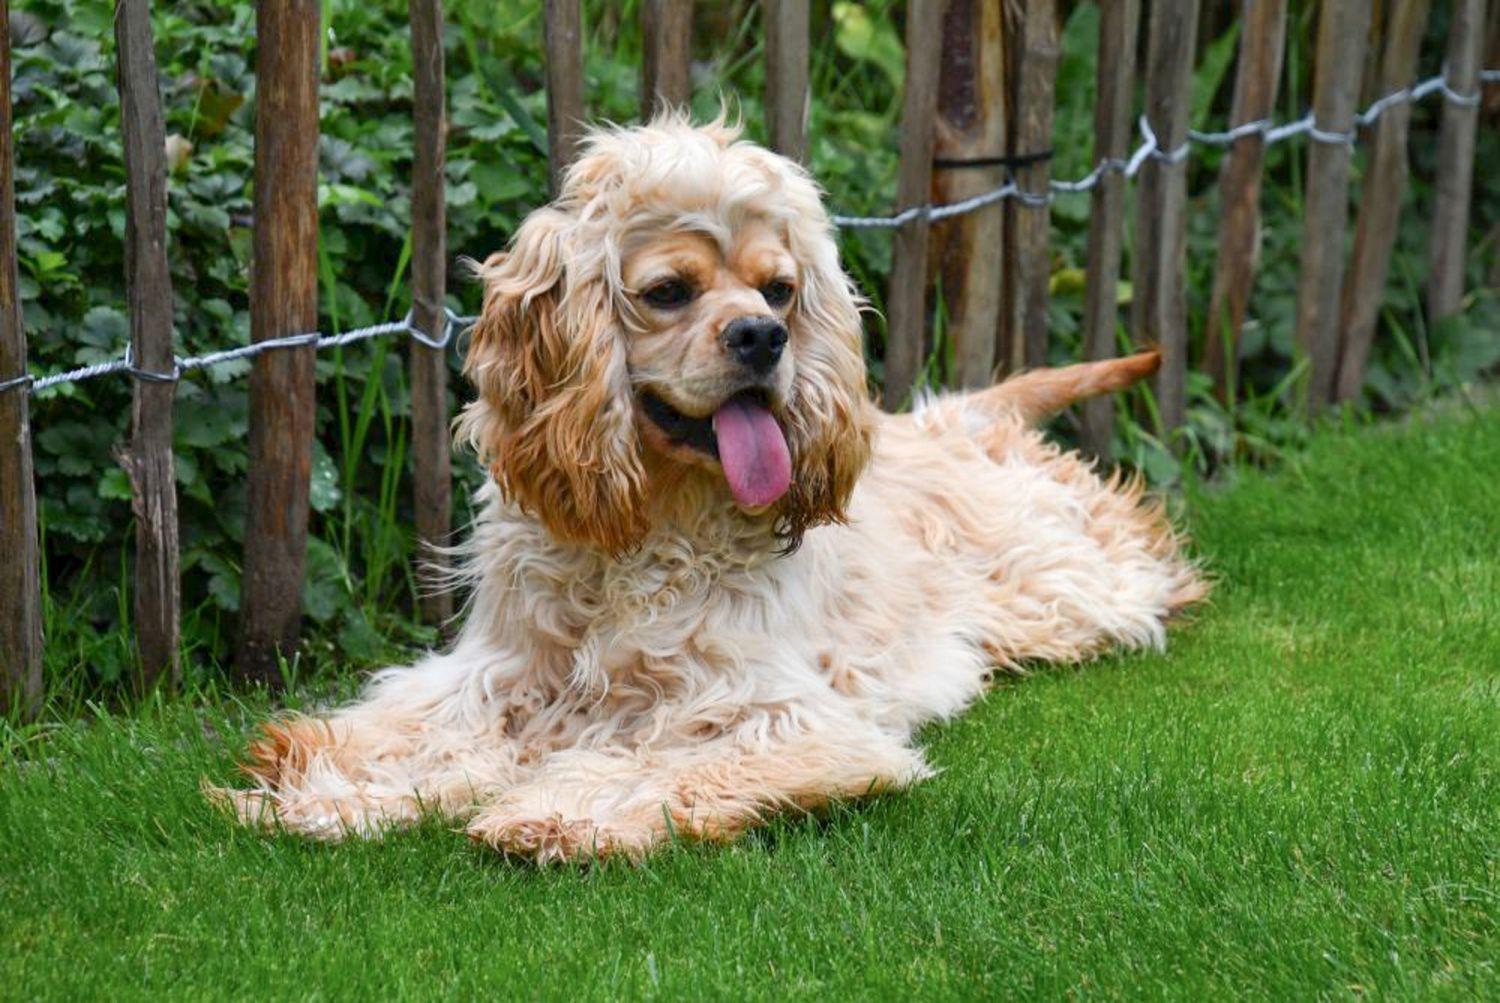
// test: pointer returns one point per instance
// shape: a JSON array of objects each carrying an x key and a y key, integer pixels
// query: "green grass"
[{"x": 1299, "y": 799}]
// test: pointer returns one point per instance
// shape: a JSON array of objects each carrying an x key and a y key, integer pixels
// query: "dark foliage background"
[{"x": 70, "y": 195}]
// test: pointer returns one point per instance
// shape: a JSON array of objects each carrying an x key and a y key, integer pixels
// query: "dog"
[{"x": 710, "y": 580}]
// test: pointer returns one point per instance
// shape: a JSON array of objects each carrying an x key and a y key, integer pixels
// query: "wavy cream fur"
[{"x": 641, "y": 657}]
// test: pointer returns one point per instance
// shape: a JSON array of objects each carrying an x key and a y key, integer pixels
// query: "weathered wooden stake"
[
  {"x": 1380, "y": 207},
  {"x": 1159, "y": 303},
  {"x": 432, "y": 453},
  {"x": 906, "y": 302},
  {"x": 283, "y": 302},
  {"x": 20, "y": 562},
  {"x": 666, "y": 66},
  {"x": 148, "y": 283},
  {"x": 1262, "y": 41},
  {"x": 1342, "y": 29},
  {"x": 970, "y": 130},
  {"x": 1028, "y": 266},
  {"x": 564, "y": 41},
  {"x": 1119, "y": 29},
  {"x": 787, "y": 76},
  {"x": 1455, "y": 164}
]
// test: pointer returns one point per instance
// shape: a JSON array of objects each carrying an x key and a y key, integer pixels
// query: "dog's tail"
[{"x": 1040, "y": 393}]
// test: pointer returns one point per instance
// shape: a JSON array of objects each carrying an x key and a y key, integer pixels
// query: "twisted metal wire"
[
  {"x": 1149, "y": 148},
  {"x": 452, "y": 325}
]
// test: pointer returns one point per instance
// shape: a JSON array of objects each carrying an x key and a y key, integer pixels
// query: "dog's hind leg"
[{"x": 587, "y": 805}]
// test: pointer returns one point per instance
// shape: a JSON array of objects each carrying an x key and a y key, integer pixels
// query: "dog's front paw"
[
  {"x": 262, "y": 810},
  {"x": 326, "y": 818},
  {"x": 546, "y": 839}
]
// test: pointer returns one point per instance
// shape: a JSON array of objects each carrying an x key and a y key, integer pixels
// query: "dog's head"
[{"x": 675, "y": 323}]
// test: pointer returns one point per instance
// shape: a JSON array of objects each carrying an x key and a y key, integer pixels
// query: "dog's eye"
[
  {"x": 669, "y": 295},
  {"x": 778, "y": 294}
]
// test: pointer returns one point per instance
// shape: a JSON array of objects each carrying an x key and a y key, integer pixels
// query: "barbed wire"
[{"x": 1149, "y": 148}]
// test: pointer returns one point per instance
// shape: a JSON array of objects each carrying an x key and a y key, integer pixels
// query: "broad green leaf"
[
  {"x": 862, "y": 37},
  {"x": 114, "y": 485},
  {"x": 1209, "y": 75},
  {"x": 323, "y": 489}
]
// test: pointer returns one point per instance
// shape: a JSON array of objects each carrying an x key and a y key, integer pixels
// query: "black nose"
[{"x": 756, "y": 341}]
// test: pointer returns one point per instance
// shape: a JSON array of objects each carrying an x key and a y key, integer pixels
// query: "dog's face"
[
  {"x": 712, "y": 360},
  {"x": 677, "y": 314}
]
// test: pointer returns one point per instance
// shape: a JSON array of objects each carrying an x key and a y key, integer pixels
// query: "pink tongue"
[{"x": 753, "y": 453}]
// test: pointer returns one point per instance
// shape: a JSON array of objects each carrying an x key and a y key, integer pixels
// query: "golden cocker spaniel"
[{"x": 711, "y": 580}]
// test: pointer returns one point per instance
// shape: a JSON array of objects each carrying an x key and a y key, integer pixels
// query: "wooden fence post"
[
  {"x": 20, "y": 562},
  {"x": 1159, "y": 300},
  {"x": 148, "y": 284},
  {"x": 283, "y": 302},
  {"x": 906, "y": 302},
  {"x": 1028, "y": 266},
  {"x": 1380, "y": 206},
  {"x": 1455, "y": 166},
  {"x": 970, "y": 130},
  {"x": 787, "y": 76},
  {"x": 1262, "y": 42},
  {"x": 432, "y": 444},
  {"x": 1119, "y": 29},
  {"x": 564, "y": 40},
  {"x": 1342, "y": 29},
  {"x": 666, "y": 64}
]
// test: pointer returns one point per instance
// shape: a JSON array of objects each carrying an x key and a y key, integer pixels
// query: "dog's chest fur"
[{"x": 894, "y": 619}]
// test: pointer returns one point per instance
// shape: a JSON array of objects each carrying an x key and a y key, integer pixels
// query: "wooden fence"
[{"x": 980, "y": 93}]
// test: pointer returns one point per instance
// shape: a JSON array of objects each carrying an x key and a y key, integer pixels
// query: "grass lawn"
[{"x": 1299, "y": 799}]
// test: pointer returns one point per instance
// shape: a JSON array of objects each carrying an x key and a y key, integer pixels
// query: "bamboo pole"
[
  {"x": 906, "y": 302},
  {"x": 20, "y": 561},
  {"x": 564, "y": 41},
  {"x": 1380, "y": 207},
  {"x": 283, "y": 302},
  {"x": 1159, "y": 304},
  {"x": 432, "y": 453},
  {"x": 787, "y": 77},
  {"x": 1119, "y": 29},
  {"x": 1455, "y": 170},
  {"x": 1028, "y": 267},
  {"x": 148, "y": 283},
  {"x": 1342, "y": 29},
  {"x": 667, "y": 37},
  {"x": 971, "y": 129},
  {"x": 1262, "y": 42}
]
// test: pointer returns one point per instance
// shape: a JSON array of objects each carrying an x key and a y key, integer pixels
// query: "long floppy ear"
[
  {"x": 554, "y": 419},
  {"x": 830, "y": 420}
]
